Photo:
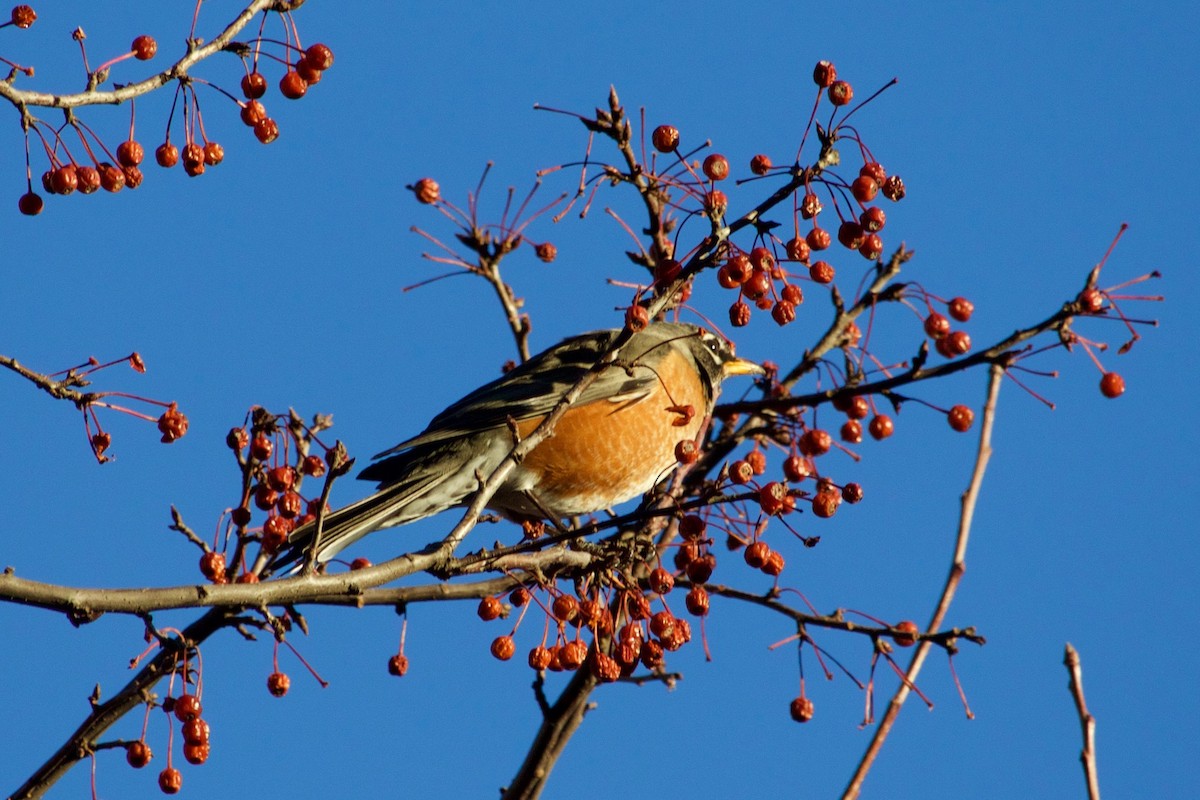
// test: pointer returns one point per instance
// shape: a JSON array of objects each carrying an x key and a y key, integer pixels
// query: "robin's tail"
[{"x": 393, "y": 505}]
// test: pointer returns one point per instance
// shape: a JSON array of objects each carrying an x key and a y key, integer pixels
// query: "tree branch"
[{"x": 958, "y": 566}]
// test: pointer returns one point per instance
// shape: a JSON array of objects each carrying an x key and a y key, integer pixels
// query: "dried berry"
[
  {"x": 170, "y": 780},
  {"x": 801, "y": 709},
  {"x": 503, "y": 647},
  {"x": 489, "y": 608},
  {"x": 398, "y": 665},
  {"x": 824, "y": 74},
  {"x": 840, "y": 93},
  {"x": 138, "y": 754},
  {"x": 716, "y": 167},
  {"x": 278, "y": 684}
]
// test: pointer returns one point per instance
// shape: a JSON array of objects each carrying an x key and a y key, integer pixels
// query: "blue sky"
[{"x": 1025, "y": 134}]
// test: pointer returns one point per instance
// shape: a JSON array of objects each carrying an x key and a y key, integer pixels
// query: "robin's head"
[{"x": 712, "y": 354}]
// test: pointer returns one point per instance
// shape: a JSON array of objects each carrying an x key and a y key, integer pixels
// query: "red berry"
[
  {"x": 660, "y": 581},
  {"x": 196, "y": 753},
  {"x": 64, "y": 180},
  {"x": 756, "y": 554},
  {"x": 489, "y": 608},
  {"x": 266, "y": 130},
  {"x": 565, "y": 607},
  {"x": 398, "y": 665},
  {"x": 825, "y": 503},
  {"x": 815, "y": 442},
  {"x": 961, "y": 309},
  {"x": 871, "y": 247},
  {"x": 821, "y": 272},
  {"x": 739, "y": 314},
  {"x": 686, "y": 451},
  {"x": 818, "y": 239},
  {"x": 546, "y": 252},
  {"x": 319, "y": 57},
  {"x": 637, "y": 318},
  {"x": 960, "y": 418},
  {"x": 716, "y": 167},
  {"x": 503, "y": 647},
  {"x": 872, "y": 219},
  {"x": 23, "y": 16},
  {"x": 697, "y": 601},
  {"x": 213, "y": 154},
  {"x": 313, "y": 466},
  {"x": 166, "y": 154},
  {"x": 253, "y": 112},
  {"x": 958, "y": 343},
  {"x": 740, "y": 268},
  {"x": 801, "y": 709},
  {"x": 774, "y": 565},
  {"x": 858, "y": 408},
  {"x": 138, "y": 754},
  {"x": 130, "y": 153},
  {"x": 797, "y": 249},
  {"x": 741, "y": 473},
  {"x": 278, "y": 684},
  {"x": 254, "y": 85},
  {"x": 760, "y": 164},
  {"x": 133, "y": 177},
  {"x": 791, "y": 293},
  {"x": 665, "y": 138},
  {"x": 427, "y": 191},
  {"x": 796, "y": 468},
  {"x": 170, "y": 780},
  {"x": 873, "y": 170},
  {"x": 699, "y": 570},
  {"x": 906, "y": 632},
  {"x": 850, "y": 234},
  {"x": 359, "y": 563},
  {"x": 936, "y": 325},
  {"x": 173, "y": 424},
  {"x": 840, "y": 93},
  {"x": 112, "y": 178},
  {"x": 289, "y": 505},
  {"x": 572, "y": 655},
  {"x": 881, "y": 427},
  {"x": 261, "y": 447},
  {"x": 30, "y": 204},
  {"x": 864, "y": 189},
  {"x": 851, "y": 431},
  {"x": 212, "y": 566},
  {"x": 195, "y": 731},
  {"x": 783, "y": 312},
  {"x": 306, "y": 71},
  {"x": 292, "y": 86},
  {"x": 772, "y": 498},
  {"x": 1112, "y": 385},
  {"x": 810, "y": 205},
  {"x": 824, "y": 74},
  {"x": 1090, "y": 301},
  {"x": 144, "y": 47},
  {"x": 757, "y": 285},
  {"x": 852, "y": 493},
  {"x": 893, "y": 188},
  {"x": 187, "y": 707}
]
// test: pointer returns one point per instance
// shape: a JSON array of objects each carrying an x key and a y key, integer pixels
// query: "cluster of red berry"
[
  {"x": 104, "y": 169},
  {"x": 186, "y": 709},
  {"x": 272, "y": 485}
]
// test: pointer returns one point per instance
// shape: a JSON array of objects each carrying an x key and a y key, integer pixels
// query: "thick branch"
[{"x": 558, "y": 725}]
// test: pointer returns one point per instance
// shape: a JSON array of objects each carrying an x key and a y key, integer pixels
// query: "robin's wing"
[{"x": 533, "y": 389}]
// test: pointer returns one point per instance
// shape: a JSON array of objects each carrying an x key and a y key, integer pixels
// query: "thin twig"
[
  {"x": 958, "y": 566},
  {"x": 1087, "y": 722}
]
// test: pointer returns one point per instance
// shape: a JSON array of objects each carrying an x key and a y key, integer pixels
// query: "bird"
[{"x": 616, "y": 442}]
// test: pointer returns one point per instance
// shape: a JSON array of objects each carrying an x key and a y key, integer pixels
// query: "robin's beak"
[{"x": 740, "y": 366}]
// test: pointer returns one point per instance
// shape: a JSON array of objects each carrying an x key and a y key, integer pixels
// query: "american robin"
[{"x": 616, "y": 442}]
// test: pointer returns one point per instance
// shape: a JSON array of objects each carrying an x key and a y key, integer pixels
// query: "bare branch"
[
  {"x": 1087, "y": 722},
  {"x": 958, "y": 565}
]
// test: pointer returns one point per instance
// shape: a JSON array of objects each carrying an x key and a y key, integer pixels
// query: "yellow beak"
[{"x": 740, "y": 366}]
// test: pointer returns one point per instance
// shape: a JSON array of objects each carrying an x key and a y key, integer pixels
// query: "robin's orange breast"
[{"x": 613, "y": 449}]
